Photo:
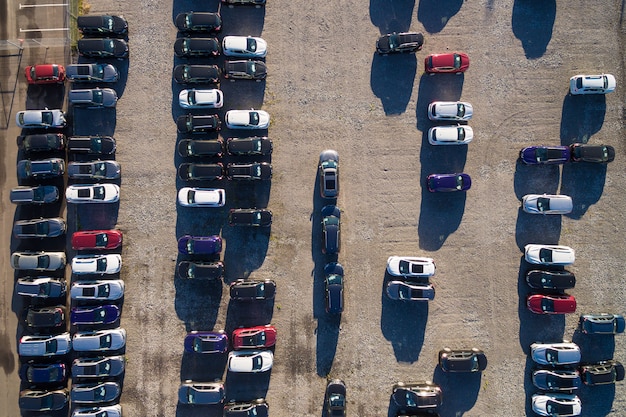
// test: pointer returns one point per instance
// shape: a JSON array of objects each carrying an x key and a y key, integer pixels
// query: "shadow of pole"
[{"x": 11, "y": 92}]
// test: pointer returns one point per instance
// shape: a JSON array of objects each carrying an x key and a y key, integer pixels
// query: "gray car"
[
  {"x": 329, "y": 173},
  {"x": 95, "y": 393},
  {"x": 410, "y": 291},
  {"x": 38, "y": 261},
  {"x": 45, "y": 317},
  {"x": 39, "y": 169},
  {"x": 547, "y": 204},
  {"x": 41, "y": 194},
  {"x": 98, "y": 367},
  {"x": 92, "y": 73},
  {"x": 565, "y": 353},
  {"x": 39, "y": 228},
  {"x": 40, "y": 287},
  {"x": 98, "y": 170},
  {"x": 93, "y": 97},
  {"x": 191, "y": 392},
  {"x": 32, "y": 400}
]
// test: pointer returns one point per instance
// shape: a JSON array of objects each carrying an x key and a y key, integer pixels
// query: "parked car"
[
  {"x": 206, "y": 342},
  {"x": 39, "y": 228},
  {"x": 102, "y": 25},
  {"x": 405, "y": 42},
  {"x": 601, "y": 154},
  {"x": 592, "y": 84},
  {"x": 199, "y": 245},
  {"x": 601, "y": 373},
  {"x": 189, "y": 123},
  {"x": 100, "y": 411},
  {"x": 200, "y": 270},
  {"x": 45, "y": 74},
  {"x": 103, "y": 48},
  {"x": 40, "y": 287},
  {"x": 556, "y": 405},
  {"x": 95, "y": 145},
  {"x": 551, "y": 303},
  {"x": 250, "y": 361},
  {"x": 201, "y": 99},
  {"x": 533, "y": 155},
  {"x": 251, "y": 290},
  {"x": 254, "y": 145},
  {"x": 92, "y": 193},
  {"x": 248, "y": 69},
  {"x": 331, "y": 230},
  {"x": 196, "y": 47},
  {"x": 38, "y": 261},
  {"x": 450, "y": 135},
  {"x": 333, "y": 284},
  {"x": 555, "y": 354},
  {"x": 250, "y": 217},
  {"x": 257, "y": 337},
  {"x": 328, "y": 169},
  {"x": 45, "y": 345},
  {"x": 453, "y": 111},
  {"x": 556, "y": 379},
  {"x": 547, "y": 204},
  {"x": 39, "y": 194},
  {"x": 43, "y": 400},
  {"x": 456, "y": 62},
  {"x": 602, "y": 323},
  {"x": 417, "y": 396},
  {"x": 191, "y": 392},
  {"x": 255, "y": 3},
  {"x": 549, "y": 254},
  {"x": 201, "y": 197},
  {"x": 445, "y": 183},
  {"x": 43, "y": 373},
  {"x": 93, "y": 316},
  {"x": 104, "y": 290},
  {"x": 98, "y": 367},
  {"x": 200, "y": 172},
  {"x": 93, "y": 97},
  {"x": 45, "y": 142},
  {"x": 410, "y": 266},
  {"x": 200, "y": 148},
  {"x": 244, "y": 46},
  {"x": 102, "y": 264},
  {"x": 92, "y": 73},
  {"x": 198, "y": 22},
  {"x": 94, "y": 170},
  {"x": 45, "y": 318},
  {"x": 45, "y": 119},
  {"x": 462, "y": 360},
  {"x": 99, "y": 340},
  {"x": 247, "y": 119},
  {"x": 256, "y": 408},
  {"x": 96, "y": 239},
  {"x": 40, "y": 169},
  {"x": 335, "y": 398},
  {"x": 95, "y": 393},
  {"x": 410, "y": 291},
  {"x": 249, "y": 171},
  {"x": 196, "y": 74},
  {"x": 550, "y": 280}
]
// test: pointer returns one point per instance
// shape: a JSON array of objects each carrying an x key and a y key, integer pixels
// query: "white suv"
[{"x": 592, "y": 84}]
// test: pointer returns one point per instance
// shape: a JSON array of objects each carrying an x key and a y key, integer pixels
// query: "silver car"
[
  {"x": 38, "y": 261},
  {"x": 93, "y": 97},
  {"x": 191, "y": 392},
  {"x": 99, "y": 341},
  {"x": 549, "y": 254},
  {"x": 564, "y": 353},
  {"x": 201, "y": 99},
  {"x": 409, "y": 291},
  {"x": 547, "y": 204},
  {"x": 104, "y": 290},
  {"x": 39, "y": 228},
  {"x": 450, "y": 110},
  {"x": 103, "y": 392},
  {"x": 103, "y": 411},
  {"x": 99, "y": 367},
  {"x": 92, "y": 73},
  {"x": 40, "y": 119},
  {"x": 94, "y": 170},
  {"x": 45, "y": 345},
  {"x": 93, "y": 193}
]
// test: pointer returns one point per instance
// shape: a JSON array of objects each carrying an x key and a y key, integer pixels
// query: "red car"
[
  {"x": 45, "y": 74},
  {"x": 456, "y": 62},
  {"x": 96, "y": 239},
  {"x": 254, "y": 337},
  {"x": 551, "y": 304}
]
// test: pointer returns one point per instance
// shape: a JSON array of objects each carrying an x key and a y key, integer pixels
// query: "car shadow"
[
  {"x": 391, "y": 80},
  {"x": 594, "y": 347},
  {"x": 87, "y": 122},
  {"x": 581, "y": 117},
  {"x": 465, "y": 386},
  {"x": 246, "y": 386},
  {"x": 435, "y": 14},
  {"x": 95, "y": 216},
  {"x": 39, "y": 97},
  {"x": 593, "y": 176},
  {"x": 197, "y": 303},
  {"x": 248, "y": 314},
  {"x": 203, "y": 367},
  {"x": 186, "y": 410},
  {"x": 529, "y": 387},
  {"x": 537, "y": 229},
  {"x": 597, "y": 401},
  {"x": 532, "y": 23}
]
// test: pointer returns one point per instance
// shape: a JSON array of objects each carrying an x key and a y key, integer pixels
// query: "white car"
[
  {"x": 554, "y": 404},
  {"x": 247, "y": 119},
  {"x": 250, "y": 361},
  {"x": 592, "y": 84},
  {"x": 40, "y": 118},
  {"x": 99, "y": 340},
  {"x": 201, "y": 99},
  {"x": 244, "y": 46},
  {"x": 547, "y": 204},
  {"x": 450, "y": 110},
  {"x": 97, "y": 264},
  {"x": 105, "y": 290},
  {"x": 407, "y": 266},
  {"x": 38, "y": 261},
  {"x": 59, "y": 344},
  {"x": 201, "y": 197},
  {"x": 450, "y": 135},
  {"x": 549, "y": 254},
  {"x": 103, "y": 411},
  {"x": 563, "y": 353},
  {"x": 92, "y": 193}
]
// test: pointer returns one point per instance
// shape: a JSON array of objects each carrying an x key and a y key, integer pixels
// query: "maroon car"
[
  {"x": 455, "y": 62},
  {"x": 551, "y": 303},
  {"x": 254, "y": 337},
  {"x": 96, "y": 239}
]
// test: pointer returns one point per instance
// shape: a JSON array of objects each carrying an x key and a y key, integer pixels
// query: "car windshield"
[
  {"x": 97, "y": 96},
  {"x": 43, "y": 261},
  {"x": 45, "y": 288},
  {"x": 98, "y": 193},
  {"x": 554, "y": 408},
  {"x": 46, "y": 117},
  {"x": 547, "y": 304},
  {"x": 404, "y": 292},
  {"x": 543, "y": 204},
  {"x": 251, "y": 67},
  {"x": 257, "y": 362},
  {"x": 101, "y": 239},
  {"x": 545, "y": 255},
  {"x": 251, "y": 45},
  {"x": 552, "y": 355},
  {"x": 254, "y": 118},
  {"x": 256, "y": 218},
  {"x": 461, "y": 133},
  {"x": 101, "y": 264},
  {"x": 51, "y": 346},
  {"x": 404, "y": 266},
  {"x": 105, "y": 341},
  {"x": 260, "y": 290},
  {"x": 191, "y": 197},
  {"x": 96, "y": 145},
  {"x": 105, "y": 367},
  {"x": 457, "y": 61},
  {"x": 337, "y": 401},
  {"x": 98, "y": 71},
  {"x": 459, "y": 182},
  {"x": 334, "y": 279},
  {"x": 393, "y": 41},
  {"x": 103, "y": 290},
  {"x": 460, "y": 110},
  {"x": 190, "y": 244},
  {"x": 410, "y": 399},
  {"x": 101, "y": 313}
]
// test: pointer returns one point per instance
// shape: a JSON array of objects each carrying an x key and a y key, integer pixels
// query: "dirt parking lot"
[{"x": 327, "y": 88}]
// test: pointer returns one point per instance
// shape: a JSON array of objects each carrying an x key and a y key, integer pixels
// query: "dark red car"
[
  {"x": 45, "y": 74},
  {"x": 254, "y": 337},
  {"x": 551, "y": 303},
  {"x": 456, "y": 62},
  {"x": 96, "y": 239}
]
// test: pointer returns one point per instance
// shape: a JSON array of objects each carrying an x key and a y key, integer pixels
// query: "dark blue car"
[
  {"x": 200, "y": 245},
  {"x": 534, "y": 155},
  {"x": 206, "y": 342},
  {"x": 444, "y": 183},
  {"x": 105, "y": 314},
  {"x": 44, "y": 373}
]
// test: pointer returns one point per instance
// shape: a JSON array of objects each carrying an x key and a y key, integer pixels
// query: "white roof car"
[
  {"x": 247, "y": 119},
  {"x": 40, "y": 118},
  {"x": 99, "y": 341},
  {"x": 250, "y": 361},
  {"x": 201, "y": 99},
  {"x": 410, "y": 266},
  {"x": 111, "y": 289},
  {"x": 93, "y": 193},
  {"x": 38, "y": 261},
  {"x": 201, "y": 197},
  {"x": 97, "y": 264},
  {"x": 549, "y": 254},
  {"x": 244, "y": 46},
  {"x": 450, "y": 135},
  {"x": 592, "y": 84},
  {"x": 103, "y": 411},
  {"x": 450, "y": 110},
  {"x": 563, "y": 353},
  {"x": 59, "y": 344},
  {"x": 547, "y": 204},
  {"x": 554, "y": 404}
]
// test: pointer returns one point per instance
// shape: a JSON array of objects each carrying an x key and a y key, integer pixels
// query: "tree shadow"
[
  {"x": 393, "y": 16},
  {"x": 532, "y": 24},
  {"x": 435, "y": 14}
]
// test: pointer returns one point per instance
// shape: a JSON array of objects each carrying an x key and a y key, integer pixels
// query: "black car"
[
  {"x": 254, "y": 145},
  {"x": 252, "y": 171},
  {"x": 250, "y": 217},
  {"x": 416, "y": 396},
  {"x": 602, "y": 323},
  {"x": 200, "y": 270},
  {"x": 104, "y": 25},
  {"x": 255, "y": 3},
  {"x": 200, "y": 148},
  {"x": 94, "y": 145},
  {"x": 39, "y": 228},
  {"x": 41, "y": 194},
  {"x": 257, "y": 408},
  {"x": 40, "y": 169},
  {"x": 462, "y": 360},
  {"x": 199, "y": 22},
  {"x": 407, "y": 42},
  {"x": 48, "y": 142},
  {"x": 46, "y": 317},
  {"x": 550, "y": 280},
  {"x": 189, "y": 123},
  {"x": 600, "y": 154},
  {"x": 556, "y": 379},
  {"x": 605, "y": 372},
  {"x": 196, "y": 74},
  {"x": 31, "y": 400},
  {"x": 250, "y": 290},
  {"x": 249, "y": 69},
  {"x": 336, "y": 398},
  {"x": 196, "y": 47},
  {"x": 331, "y": 228},
  {"x": 200, "y": 172},
  {"x": 334, "y": 287},
  {"x": 103, "y": 48}
]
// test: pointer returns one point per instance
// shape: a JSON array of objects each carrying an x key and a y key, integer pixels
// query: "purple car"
[
  {"x": 104, "y": 314},
  {"x": 445, "y": 183},
  {"x": 206, "y": 342},
  {"x": 200, "y": 245},
  {"x": 545, "y": 155}
]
